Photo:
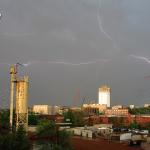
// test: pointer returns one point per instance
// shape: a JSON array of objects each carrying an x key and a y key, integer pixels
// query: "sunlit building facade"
[
  {"x": 117, "y": 112},
  {"x": 104, "y": 96},
  {"x": 41, "y": 109},
  {"x": 94, "y": 108}
]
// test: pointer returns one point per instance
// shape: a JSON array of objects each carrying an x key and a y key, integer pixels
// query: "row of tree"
[
  {"x": 121, "y": 122},
  {"x": 48, "y": 136},
  {"x": 16, "y": 140},
  {"x": 76, "y": 118},
  {"x": 140, "y": 111}
]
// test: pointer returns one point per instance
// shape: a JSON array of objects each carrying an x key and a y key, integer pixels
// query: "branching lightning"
[
  {"x": 78, "y": 64},
  {"x": 67, "y": 63},
  {"x": 141, "y": 58},
  {"x": 62, "y": 62},
  {"x": 100, "y": 25}
]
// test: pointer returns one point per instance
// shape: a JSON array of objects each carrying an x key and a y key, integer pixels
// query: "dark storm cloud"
[{"x": 77, "y": 45}]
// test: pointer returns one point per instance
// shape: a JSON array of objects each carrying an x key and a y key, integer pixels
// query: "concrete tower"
[
  {"x": 18, "y": 88},
  {"x": 104, "y": 96},
  {"x": 21, "y": 103}
]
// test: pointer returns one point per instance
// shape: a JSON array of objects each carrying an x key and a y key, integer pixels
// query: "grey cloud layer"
[{"x": 74, "y": 33}]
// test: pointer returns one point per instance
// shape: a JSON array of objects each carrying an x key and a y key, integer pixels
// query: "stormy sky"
[{"x": 72, "y": 47}]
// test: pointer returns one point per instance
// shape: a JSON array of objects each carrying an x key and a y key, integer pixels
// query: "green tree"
[
  {"x": 21, "y": 139},
  {"x": 32, "y": 119},
  {"x": 69, "y": 117},
  {"x": 15, "y": 141},
  {"x": 64, "y": 139},
  {"x": 113, "y": 120},
  {"x": 148, "y": 126},
  {"x": 134, "y": 125},
  {"x": 4, "y": 119},
  {"x": 117, "y": 121},
  {"x": 139, "y": 111},
  {"x": 46, "y": 128},
  {"x": 121, "y": 121},
  {"x": 76, "y": 118},
  {"x": 51, "y": 138}
]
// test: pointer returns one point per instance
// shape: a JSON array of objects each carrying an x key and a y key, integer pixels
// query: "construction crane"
[
  {"x": 13, "y": 79},
  {"x": 13, "y": 73},
  {"x": 83, "y": 101}
]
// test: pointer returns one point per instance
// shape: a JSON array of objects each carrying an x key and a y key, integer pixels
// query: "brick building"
[
  {"x": 117, "y": 112},
  {"x": 94, "y": 108},
  {"x": 140, "y": 119}
]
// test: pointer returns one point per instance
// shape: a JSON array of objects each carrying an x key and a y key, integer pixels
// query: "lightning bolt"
[
  {"x": 141, "y": 58},
  {"x": 101, "y": 28},
  {"x": 62, "y": 62}
]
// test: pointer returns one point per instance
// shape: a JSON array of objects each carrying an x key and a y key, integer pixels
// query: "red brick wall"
[{"x": 142, "y": 120}]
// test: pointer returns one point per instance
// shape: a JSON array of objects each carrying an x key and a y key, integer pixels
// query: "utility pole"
[{"x": 12, "y": 81}]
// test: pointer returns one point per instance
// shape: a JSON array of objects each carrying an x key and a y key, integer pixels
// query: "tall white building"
[{"x": 104, "y": 95}]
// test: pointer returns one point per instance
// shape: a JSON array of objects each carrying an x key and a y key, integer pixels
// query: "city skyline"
[{"x": 70, "y": 46}]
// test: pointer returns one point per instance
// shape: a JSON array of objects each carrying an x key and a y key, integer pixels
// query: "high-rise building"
[{"x": 104, "y": 95}]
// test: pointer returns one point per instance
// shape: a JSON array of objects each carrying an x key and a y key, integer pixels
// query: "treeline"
[
  {"x": 75, "y": 118},
  {"x": 140, "y": 111},
  {"x": 47, "y": 135}
]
